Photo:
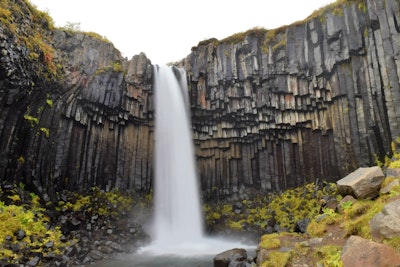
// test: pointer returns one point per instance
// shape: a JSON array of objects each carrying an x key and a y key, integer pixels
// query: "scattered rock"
[
  {"x": 386, "y": 224},
  {"x": 394, "y": 172},
  {"x": 389, "y": 186},
  {"x": 301, "y": 225},
  {"x": 20, "y": 234},
  {"x": 360, "y": 252},
  {"x": 33, "y": 262},
  {"x": 96, "y": 254},
  {"x": 364, "y": 183}
]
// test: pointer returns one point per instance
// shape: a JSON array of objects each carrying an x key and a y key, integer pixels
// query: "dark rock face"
[
  {"x": 316, "y": 99},
  {"x": 279, "y": 108},
  {"x": 90, "y": 125}
]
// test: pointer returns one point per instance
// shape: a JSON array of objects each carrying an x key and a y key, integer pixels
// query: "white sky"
[{"x": 166, "y": 30}]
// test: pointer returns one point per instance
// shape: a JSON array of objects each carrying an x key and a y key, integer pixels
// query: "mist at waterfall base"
[{"x": 178, "y": 232}]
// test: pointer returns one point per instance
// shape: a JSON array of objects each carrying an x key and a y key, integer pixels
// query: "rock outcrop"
[{"x": 316, "y": 99}]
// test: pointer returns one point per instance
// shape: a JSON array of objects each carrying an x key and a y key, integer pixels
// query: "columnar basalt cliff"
[
  {"x": 271, "y": 109},
  {"x": 74, "y": 113},
  {"x": 315, "y": 99}
]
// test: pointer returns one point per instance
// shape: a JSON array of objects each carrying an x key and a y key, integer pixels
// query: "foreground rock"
[
  {"x": 360, "y": 252},
  {"x": 230, "y": 258},
  {"x": 363, "y": 183},
  {"x": 386, "y": 224}
]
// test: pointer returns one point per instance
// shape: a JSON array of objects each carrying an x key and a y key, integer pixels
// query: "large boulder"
[
  {"x": 386, "y": 224},
  {"x": 363, "y": 183},
  {"x": 233, "y": 255},
  {"x": 360, "y": 252}
]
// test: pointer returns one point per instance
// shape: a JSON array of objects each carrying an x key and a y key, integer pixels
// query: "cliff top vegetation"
[{"x": 268, "y": 36}]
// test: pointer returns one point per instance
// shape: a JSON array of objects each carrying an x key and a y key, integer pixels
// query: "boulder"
[
  {"x": 386, "y": 224},
  {"x": 389, "y": 186},
  {"x": 394, "y": 172},
  {"x": 363, "y": 183},
  {"x": 360, "y": 252},
  {"x": 233, "y": 255}
]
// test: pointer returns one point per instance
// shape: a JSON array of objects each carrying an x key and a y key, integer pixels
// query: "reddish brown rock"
[{"x": 360, "y": 252}]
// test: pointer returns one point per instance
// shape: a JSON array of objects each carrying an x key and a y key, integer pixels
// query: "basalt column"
[{"x": 313, "y": 100}]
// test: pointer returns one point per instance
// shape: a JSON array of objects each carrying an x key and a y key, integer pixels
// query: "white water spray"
[
  {"x": 177, "y": 201},
  {"x": 178, "y": 223}
]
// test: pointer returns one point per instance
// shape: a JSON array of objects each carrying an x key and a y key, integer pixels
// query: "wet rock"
[
  {"x": 105, "y": 249},
  {"x": 115, "y": 246},
  {"x": 96, "y": 254},
  {"x": 225, "y": 258}
]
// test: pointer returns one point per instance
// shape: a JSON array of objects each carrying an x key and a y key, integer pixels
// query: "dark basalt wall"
[
  {"x": 87, "y": 123},
  {"x": 270, "y": 109},
  {"x": 316, "y": 99}
]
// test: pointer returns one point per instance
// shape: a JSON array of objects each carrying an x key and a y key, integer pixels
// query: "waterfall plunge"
[
  {"x": 178, "y": 223},
  {"x": 177, "y": 201}
]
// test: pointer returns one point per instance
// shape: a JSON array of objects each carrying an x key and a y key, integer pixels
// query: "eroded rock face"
[{"x": 313, "y": 100}]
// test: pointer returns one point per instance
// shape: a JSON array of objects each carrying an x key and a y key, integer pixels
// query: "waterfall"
[
  {"x": 178, "y": 222},
  {"x": 177, "y": 201}
]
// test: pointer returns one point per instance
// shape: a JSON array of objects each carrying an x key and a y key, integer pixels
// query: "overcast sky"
[{"x": 166, "y": 30}]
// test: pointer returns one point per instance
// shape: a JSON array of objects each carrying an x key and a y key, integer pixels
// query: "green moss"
[
  {"x": 234, "y": 225},
  {"x": 239, "y": 37},
  {"x": 329, "y": 256},
  {"x": 49, "y": 102},
  {"x": 285, "y": 209},
  {"x": 317, "y": 226},
  {"x": 277, "y": 259},
  {"x": 97, "y": 36},
  {"x": 115, "y": 66},
  {"x": 271, "y": 39},
  {"x": 35, "y": 38},
  {"x": 270, "y": 241},
  {"x": 356, "y": 218},
  {"x": 31, "y": 219},
  {"x": 31, "y": 119},
  {"x": 45, "y": 131}
]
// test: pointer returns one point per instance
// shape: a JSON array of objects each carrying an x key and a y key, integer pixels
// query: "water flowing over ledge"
[{"x": 178, "y": 223}]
